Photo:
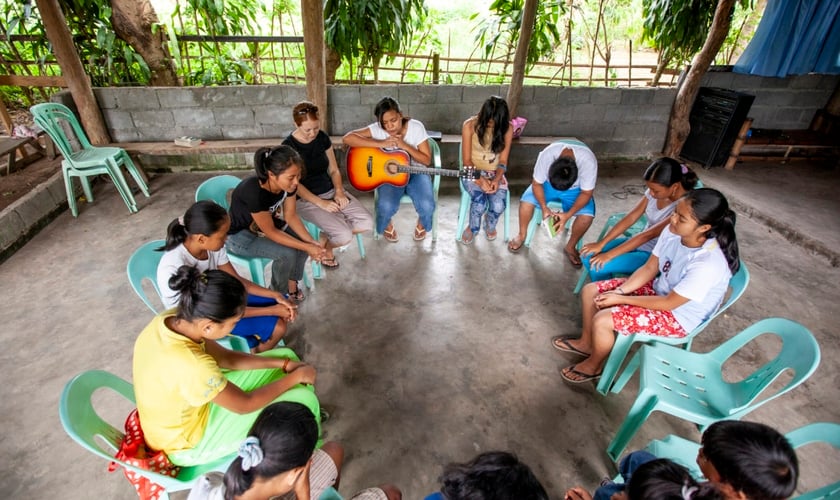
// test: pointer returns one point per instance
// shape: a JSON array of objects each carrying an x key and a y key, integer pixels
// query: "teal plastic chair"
[
  {"x": 691, "y": 385},
  {"x": 86, "y": 427},
  {"x": 142, "y": 266},
  {"x": 612, "y": 220},
  {"x": 737, "y": 284},
  {"x": 464, "y": 210},
  {"x": 57, "y": 121},
  {"x": 218, "y": 189},
  {"x": 315, "y": 232},
  {"x": 436, "y": 163},
  {"x": 330, "y": 494}
]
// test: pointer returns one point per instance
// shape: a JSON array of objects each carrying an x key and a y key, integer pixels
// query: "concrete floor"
[{"x": 427, "y": 352}]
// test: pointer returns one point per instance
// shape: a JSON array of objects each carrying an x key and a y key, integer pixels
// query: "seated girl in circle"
[
  {"x": 667, "y": 181},
  {"x": 695, "y": 257},
  {"x": 279, "y": 457},
  {"x": 395, "y": 131},
  {"x": 198, "y": 239},
  {"x": 485, "y": 145},
  {"x": 264, "y": 220},
  {"x": 321, "y": 198},
  {"x": 188, "y": 407}
]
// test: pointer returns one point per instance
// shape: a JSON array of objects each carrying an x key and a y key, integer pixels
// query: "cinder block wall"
[{"x": 622, "y": 123}]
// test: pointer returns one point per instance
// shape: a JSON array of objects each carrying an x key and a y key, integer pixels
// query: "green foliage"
[{"x": 364, "y": 30}]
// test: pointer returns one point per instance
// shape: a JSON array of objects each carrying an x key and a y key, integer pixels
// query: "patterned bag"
[
  {"x": 133, "y": 450},
  {"x": 518, "y": 123}
]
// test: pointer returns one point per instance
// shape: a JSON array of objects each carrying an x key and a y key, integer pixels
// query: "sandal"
[
  {"x": 465, "y": 239},
  {"x": 574, "y": 258},
  {"x": 390, "y": 234},
  {"x": 419, "y": 233},
  {"x": 561, "y": 343},
  {"x": 515, "y": 245},
  {"x": 330, "y": 263},
  {"x": 491, "y": 235},
  {"x": 580, "y": 377},
  {"x": 297, "y": 295}
]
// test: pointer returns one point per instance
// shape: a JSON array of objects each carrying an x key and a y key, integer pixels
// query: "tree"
[
  {"x": 365, "y": 30},
  {"x": 136, "y": 22}
]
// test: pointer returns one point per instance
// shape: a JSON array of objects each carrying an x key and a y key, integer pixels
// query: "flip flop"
[
  {"x": 574, "y": 258},
  {"x": 583, "y": 377},
  {"x": 561, "y": 343},
  {"x": 329, "y": 263},
  {"x": 491, "y": 235},
  {"x": 515, "y": 245},
  {"x": 391, "y": 234},
  {"x": 465, "y": 240},
  {"x": 419, "y": 233}
]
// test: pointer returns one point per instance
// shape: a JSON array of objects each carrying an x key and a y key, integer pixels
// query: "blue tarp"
[{"x": 794, "y": 37}]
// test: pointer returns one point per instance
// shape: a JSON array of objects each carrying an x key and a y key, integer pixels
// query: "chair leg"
[
  {"x": 360, "y": 242},
  {"x": 71, "y": 193},
  {"x": 584, "y": 275},
  {"x": 135, "y": 173},
  {"x": 532, "y": 226},
  {"x": 463, "y": 212},
  {"x": 614, "y": 361},
  {"x": 507, "y": 217},
  {"x": 639, "y": 412},
  {"x": 122, "y": 185}
]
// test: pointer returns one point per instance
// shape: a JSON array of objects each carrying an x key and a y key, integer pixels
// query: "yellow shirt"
[
  {"x": 482, "y": 156},
  {"x": 174, "y": 382}
]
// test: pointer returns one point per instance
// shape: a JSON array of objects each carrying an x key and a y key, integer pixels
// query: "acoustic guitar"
[{"x": 369, "y": 168}]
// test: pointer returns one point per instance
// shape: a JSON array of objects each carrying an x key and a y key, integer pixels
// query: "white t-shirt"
[
  {"x": 699, "y": 274},
  {"x": 180, "y": 256},
  {"x": 415, "y": 134},
  {"x": 584, "y": 157},
  {"x": 655, "y": 215}
]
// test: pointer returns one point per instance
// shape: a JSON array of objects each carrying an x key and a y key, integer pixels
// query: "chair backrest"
[
  {"x": 737, "y": 285},
  {"x": 818, "y": 432},
  {"x": 142, "y": 265},
  {"x": 799, "y": 353},
  {"x": 217, "y": 189},
  {"x": 55, "y": 119},
  {"x": 436, "y": 163}
]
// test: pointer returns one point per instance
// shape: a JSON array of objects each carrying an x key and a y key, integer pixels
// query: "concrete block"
[
  {"x": 125, "y": 135},
  {"x": 218, "y": 96},
  {"x": 280, "y": 131},
  {"x": 193, "y": 117},
  {"x": 585, "y": 113},
  {"x": 117, "y": 119},
  {"x": 155, "y": 134},
  {"x": 233, "y": 116},
  {"x": 604, "y": 96},
  {"x": 573, "y": 95},
  {"x": 106, "y": 97},
  {"x": 293, "y": 94},
  {"x": 628, "y": 131},
  {"x": 153, "y": 119},
  {"x": 176, "y": 98},
  {"x": 637, "y": 96},
  {"x": 719, "y": 79},
  {"x": 449, "y": 94},
  {"x": 526, "y": 96},
  {"x": 273, "y": 114},
  {"x": 343, "y": 95},
  {"x": 40, "y": 204},
  {"x": 11, "y": 228},
  {"x": 347, "y": 118},
  {"x": 745, "y": 83},
  {"x": 55, "y": 187},
  {"x": 205, "y": 132},
  {"x": 476, "y": 95},
  {"x": 140, "y": 98},
  {"x": 262, "y": 95},
  {"x": 241, "y": 132},
  {"x": 413, "y": 94},
  {"x": 543, "y": 95},
  {"x": 613, "y": 114},
  {"x": 769, "y": 82},
  {"x": 444, "y": 119},
  {"x": 664, "y": 97}
]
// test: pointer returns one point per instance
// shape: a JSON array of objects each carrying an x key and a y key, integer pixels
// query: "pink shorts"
[{"x": 635, "y": 320}]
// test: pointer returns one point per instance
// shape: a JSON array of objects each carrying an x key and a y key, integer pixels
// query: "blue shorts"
[
  {"x": 566, "y": 198},
  {"x": 256, "y": 329}
]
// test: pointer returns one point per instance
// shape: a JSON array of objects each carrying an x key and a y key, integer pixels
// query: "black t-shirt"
[
  {"x": 249, "y": 198},
  {"x": 315, "y": 161}
]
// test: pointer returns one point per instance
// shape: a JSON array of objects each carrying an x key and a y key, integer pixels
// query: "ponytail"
[
  {"x": 667, "y": 171},
  {"x": 214, "y": 294},
  {"x": 203, "y": 217},
  {"x": 276, "y": 160},
  {"x": 710, "y": 207},
  {"x": 664, "y": 479}
]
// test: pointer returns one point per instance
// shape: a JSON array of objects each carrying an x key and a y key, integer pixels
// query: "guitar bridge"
[{"x": 370, "y": 166}]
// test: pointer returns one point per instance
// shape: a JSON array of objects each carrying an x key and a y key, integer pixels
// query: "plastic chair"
[
  {"x": 218, "y": 189},
  {"x": 738, "y": 284},
  {"x": 537, "y": 218},
  {"x": 612, "y": 220},
  {"x": 691, "y": 385},
  {"x": 464, "y": 210},
  {"x": 315, "y": 232},
  {"x": 143, "y": 264},
  {"x": 86, "y": 427},
  {"x": 330, "y": 494},
  {"x": 436, "y": 163},
  {"x": 87, "y": 160}
]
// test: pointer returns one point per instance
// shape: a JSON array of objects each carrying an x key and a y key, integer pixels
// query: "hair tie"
[
  {"x": 684, "y": 168},
  {"x": 687, "y": 492},
  {"x": 181, "y": 220},
  {"x": 250, "y": 453}
]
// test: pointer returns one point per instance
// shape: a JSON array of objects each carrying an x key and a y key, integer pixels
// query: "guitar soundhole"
[{"x": 391, "y": 167}]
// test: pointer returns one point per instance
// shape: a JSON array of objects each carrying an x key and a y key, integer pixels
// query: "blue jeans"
[
  {"x": 623, "y": 264},
  {"x": 256, "y": 329},
  {"x": 626, "y": 468},
  {"x": 288, "y": 262},
  {"x": 494, "y": 204},
  {"x": 418, "y": 188}
]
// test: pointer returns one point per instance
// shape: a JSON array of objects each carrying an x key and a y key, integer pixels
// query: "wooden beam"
[
  {"x": 312, "y": 12},
  {"x": 71, "y": 67},
  {"x": 32, "y": 81}
]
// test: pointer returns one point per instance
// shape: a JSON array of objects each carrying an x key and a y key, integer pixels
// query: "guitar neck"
[{"x": 426, "y": 170}]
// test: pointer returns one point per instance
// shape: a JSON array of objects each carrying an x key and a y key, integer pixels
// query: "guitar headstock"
[{"x": 470, "y": 173}]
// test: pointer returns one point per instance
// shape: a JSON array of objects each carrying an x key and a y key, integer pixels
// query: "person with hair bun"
[
  {"x": 198, "y": 239},
  {"x": 492, "y": 475},
  {"x": 189, "y": 407},
  {"x": 265, "y": 223},
  {"x": 321, "y": 198},
  {"x": 278, "y": 458},
  {"x": 667, "y": 181},
  {"x": 682, "y": 283}
]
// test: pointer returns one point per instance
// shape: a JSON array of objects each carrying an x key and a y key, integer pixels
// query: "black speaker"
[{"x": 715, "y": 120}]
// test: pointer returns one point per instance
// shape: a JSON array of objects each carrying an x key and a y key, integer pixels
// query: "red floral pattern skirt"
[{"x": 635, "y": 320}]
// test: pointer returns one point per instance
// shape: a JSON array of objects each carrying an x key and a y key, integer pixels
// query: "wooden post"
[
  {"x": 739, "y": 143},
  {"x": 435, "y": 68},
  {"x": 314, "y": 47},
  {"x": 529, "y": 17},
  {"x": 71, "y": 67}
]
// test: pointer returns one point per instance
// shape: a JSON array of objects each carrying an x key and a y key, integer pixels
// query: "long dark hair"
[
  {"x": 276, "y": 160},
  {"x": 709, "y": 206},
  {"x": 203, "y": 217},
  {"x": 667, "y": 171},
  {"x": 213, "y": 294},
  {"x": 753, "y": 458},
  {"x": 494, "y": 108},
  {"x": 489, "y": 476},
  {"x": 286, "y": 434},
  {"x": 663, "y": 479},
  {"x": 383, "y": 106}
]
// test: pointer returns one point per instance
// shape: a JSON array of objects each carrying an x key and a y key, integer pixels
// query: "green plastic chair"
[
  {"x": 691, "y": 385},
  {"x": 537, "y": 218},
  {"x": 218, "y": 189},
  {"x": 436, "y": 163},
  {"x": 612, "y": 220},
  {"x": 57, "y": 120},
  {"x": 86, "y": 427},
  {"x": 142, "y": 266},
  {"x": 738, "y": 284},
  {"x": 464, "y": 210},
  {"x": 330, "y": 494}
]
